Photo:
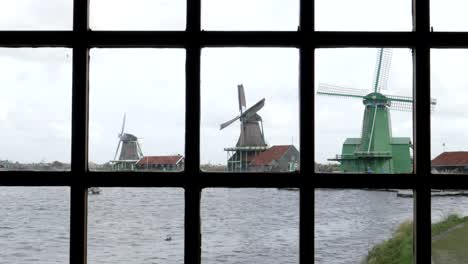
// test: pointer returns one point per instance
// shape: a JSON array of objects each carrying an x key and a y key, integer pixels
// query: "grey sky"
[{"x": 149, "y": 84}]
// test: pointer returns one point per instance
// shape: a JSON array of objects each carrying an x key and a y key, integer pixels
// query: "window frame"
[{"x": 306, "y": 39}]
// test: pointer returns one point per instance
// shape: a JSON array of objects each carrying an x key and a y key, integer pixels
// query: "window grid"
[{"x": 192, "y": 179}]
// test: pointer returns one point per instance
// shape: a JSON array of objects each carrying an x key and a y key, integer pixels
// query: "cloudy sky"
[{"x": 148, "y": 84}]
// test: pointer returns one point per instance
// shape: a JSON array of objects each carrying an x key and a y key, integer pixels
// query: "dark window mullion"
[
  {"x": 422, "y": 156},
  {"x": 422, "y": 153},
  {"x": 306, "y": 128},
  {"x": 192, "y": 157},
  {"x": 79, "y": 161},
  {"x": 192, "y": 248}
]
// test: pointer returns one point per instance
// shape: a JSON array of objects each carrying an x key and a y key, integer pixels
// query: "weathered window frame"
[{"x": 306, "y": 39}]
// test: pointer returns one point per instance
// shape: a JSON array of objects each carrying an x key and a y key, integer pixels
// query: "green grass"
[
  {"x": 451, "y": 247},
  {"x": 447, "y": 223},
  {"x": 396, "y": 250},
  {"x": 399, "y": 248}
]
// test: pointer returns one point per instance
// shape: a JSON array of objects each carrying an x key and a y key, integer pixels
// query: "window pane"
[
  {"x": 250, "y": 226},
  {"x": 136, "y": 225},
  {"x": 363, "y": 108},
  {"x": 35, "y": 108},
  {"x": 34, "y": 225},
  {"x": 351, "y": 224},
  {"x": 250, "y": 15},
  {"x": 363, "y": 15},
  {"x": 137, "y": 14},
  {"x": 449, "y": 226},
  {"x": 137, "y": 102},
  {"x": 249, "y": 109},
  {"x": 36, "y": 15},
  {"x": 449, "y": 118},
  {"x": 448, "y": 15}
]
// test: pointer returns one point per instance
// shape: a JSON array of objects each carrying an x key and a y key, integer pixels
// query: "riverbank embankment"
[{"x": 449, "y": 242}]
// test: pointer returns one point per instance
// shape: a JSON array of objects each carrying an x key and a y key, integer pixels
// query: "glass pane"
[
  {"x": 250, "y": 15},
  {"x": 449, "y": 226},
  {"x": 35, "y": 108},
  {"x": 363, "y": 108},
  {"x": 448, "y": 130},
  {"x": 250, "y": 226},
  {"x": 137, "y": 116},
  {"x": 135, "y": 225},
  {"x": 137, "y": 14},
  {"x": 363, "y": 15},
  {"x": 249, "y": 109},
  {"x": 448, "y": 15},
  {"x": 34, "y": 225},
  {"x": 36, "y": 15},
  {"x": 363, "y": 226}
]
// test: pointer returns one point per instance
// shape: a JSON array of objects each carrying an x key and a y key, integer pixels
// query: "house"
[
  {"x": 161, "y": 163},
  {"x": 450, "y": 162},
  {"x": 280, "y": 158}
]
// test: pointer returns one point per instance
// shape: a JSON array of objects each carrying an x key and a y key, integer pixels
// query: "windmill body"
[
  {"x": 251, "y": 139},
  {"x": 130, "y": 151},
  {"x": 376, "y": 151}
]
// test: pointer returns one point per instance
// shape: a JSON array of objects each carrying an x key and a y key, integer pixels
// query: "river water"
[
  {"x": 143, "y": 225},
  {"x": 350, "y": 222}
]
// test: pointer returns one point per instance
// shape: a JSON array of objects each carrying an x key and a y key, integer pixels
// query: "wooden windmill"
[
  {"x": 376, "y": 151},
  {"x": 251, "y": 139},
  {"x": 130, "y": 150}
]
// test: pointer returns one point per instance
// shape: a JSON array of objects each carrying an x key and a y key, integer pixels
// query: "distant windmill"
[
  {"x": 130, "y": 150},
  {"x": 251, "y": 134},
  {"x": 251, "y": 139},
  {"x": 376, "y": 151}
]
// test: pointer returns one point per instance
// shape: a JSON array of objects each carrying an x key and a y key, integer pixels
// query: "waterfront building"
[{"x": 451, "y": 162}]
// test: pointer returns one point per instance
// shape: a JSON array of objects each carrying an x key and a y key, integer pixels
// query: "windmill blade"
[
  {"x": 406, "y": 105},
  {"x": 225, "y": 124},
  {"x": 398, "y": 98},
  {"x": 334, "y": 90},
  {"x": 123, "y": 124},
  {"x": 117, "y": 150},
  {"x": 241, "y": 95},
  {"x": 400, "y": 103},
  {"x": 254, "y": 109},
  {"x": 382, "y": 69},
  {"x": 433, "y": 103},
  {"x": 139, "y": 149},
  {"x": 401, "y": 106}
]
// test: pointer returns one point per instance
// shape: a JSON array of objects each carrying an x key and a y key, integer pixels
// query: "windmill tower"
[
  {"x": 376, "y": 151},
  {"x": 251, "y": 140},
  {"x": 130, "y": 150}
]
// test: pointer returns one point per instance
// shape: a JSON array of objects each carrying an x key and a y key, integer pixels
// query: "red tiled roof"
[
  {"x": 267, "y": 156},
  {"x": 159, "y": 160},
  {"x": 455, "y": 158}
]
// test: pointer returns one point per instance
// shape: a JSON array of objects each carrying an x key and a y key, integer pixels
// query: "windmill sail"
[
  {"x": 382, "y": 69},
  {"x": 241, "y": 94}
]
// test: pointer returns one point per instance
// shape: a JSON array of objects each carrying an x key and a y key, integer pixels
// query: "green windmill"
[{"x": 376, "y": 151}]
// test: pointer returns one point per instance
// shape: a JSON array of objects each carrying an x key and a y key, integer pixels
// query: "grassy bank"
[{"x": 399, "y": 248}]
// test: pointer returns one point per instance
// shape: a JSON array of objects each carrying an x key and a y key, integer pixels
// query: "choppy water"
[
  {"x": 350, "y": 222},
  {"x": 238, "y": 225},
  {"x": 142, "y": 225}
]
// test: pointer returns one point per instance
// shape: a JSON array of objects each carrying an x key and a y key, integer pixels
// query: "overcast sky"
[{"x": 148, "y": 84}]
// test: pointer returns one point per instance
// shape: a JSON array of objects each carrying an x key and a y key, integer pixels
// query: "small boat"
[{"x": 94, "y": 190}]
